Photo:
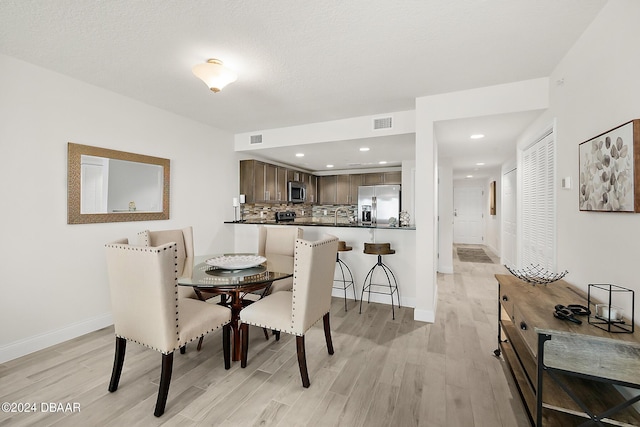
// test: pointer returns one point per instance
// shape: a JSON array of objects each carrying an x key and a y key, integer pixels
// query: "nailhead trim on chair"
[
  {"x": 295, "y": 270},
  {"x": 154, "y": 250},
  {"x": 145, "y": 234},
  {"x": 293, "y": 297}
]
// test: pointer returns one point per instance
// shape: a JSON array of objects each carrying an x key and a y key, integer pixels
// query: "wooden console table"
[{"x": 566, "y": 373}]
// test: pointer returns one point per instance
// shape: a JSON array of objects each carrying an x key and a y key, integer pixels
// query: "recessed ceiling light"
[
  {"x": 364, "y": 148},
  {"x": 299, "y": 154},
  {"x": 382, "y": 162},
  {"x": 480, "y": 164},
  {"x": 329, "y": 166},
  {"x": 469, "y": 176},
  {"x": 477, "y": 136}
]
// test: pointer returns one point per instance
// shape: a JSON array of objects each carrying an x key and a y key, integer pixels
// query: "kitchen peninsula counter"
[
  {"x": 320, "y": 224},
  {"x": 403, "y": 262}
]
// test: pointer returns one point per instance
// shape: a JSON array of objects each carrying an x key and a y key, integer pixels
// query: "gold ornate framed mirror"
[{"x": 105, "y": 185}]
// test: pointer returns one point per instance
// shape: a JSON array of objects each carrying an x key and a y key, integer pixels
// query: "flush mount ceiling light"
[
  {"x": 477, "y": 136},
  {"x": 299, "y": 154},
  {"x": 382, "y": 162},
  {"x": 479, "y": 164},
  {"x": 364, "y": 149},
  {"x": 215, "y": 75},
  {"x": 329, "y": 166}
]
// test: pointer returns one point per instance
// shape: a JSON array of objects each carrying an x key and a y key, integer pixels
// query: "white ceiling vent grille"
[
  {"x": 382, "y": 123},
  {"x": 256, "y": 139}
]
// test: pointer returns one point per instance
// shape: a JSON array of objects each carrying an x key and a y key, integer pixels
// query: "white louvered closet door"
[{"x": 539, "y": 204}]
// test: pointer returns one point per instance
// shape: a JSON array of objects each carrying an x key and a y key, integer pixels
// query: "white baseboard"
[
  {"x": 427, "y": 316},
  {"x": 38, "y": 342},
  {"x": 494, "y": 250},
  {"x": 445, "y": 269}
]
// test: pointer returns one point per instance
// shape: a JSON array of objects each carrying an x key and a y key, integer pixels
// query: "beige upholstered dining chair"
[
  {"x": 295, "y": 312},
  {"x": 184, "y": 240},
  {"x": 277, "y": 244},
  {"x": 147, "y": 310}
]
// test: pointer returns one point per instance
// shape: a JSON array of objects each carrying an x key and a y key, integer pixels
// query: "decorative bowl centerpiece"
[
  {"x": 536, "y": 275},
  {"x": 236, "y": 262}
]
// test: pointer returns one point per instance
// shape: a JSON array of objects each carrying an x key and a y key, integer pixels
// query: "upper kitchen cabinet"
[
  {"x": 373, "y": 178},
  {"x": 339, "y": 189},
  {"x": 355, "y": 181},
  {"x": 270, "y": 179},
  {"x": 382, "y": 178},
  {"x": 252, "y": 180},
  {"x": 327, "y": 187},
  {"x": 393, "y": 177},
  {"x": 312, "y": 187},
  {"x": 262, "y": 182},
  {"x": 342, "y": 189},
  {"x": 282, "y": 177}
]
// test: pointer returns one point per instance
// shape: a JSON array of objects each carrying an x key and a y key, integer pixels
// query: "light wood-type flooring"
[{"x": 384, "y": 372}]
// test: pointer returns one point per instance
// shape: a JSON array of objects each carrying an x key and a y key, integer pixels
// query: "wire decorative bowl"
[{"x": 536, "y": 275}]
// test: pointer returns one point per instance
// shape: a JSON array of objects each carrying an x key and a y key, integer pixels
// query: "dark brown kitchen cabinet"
[
  {"x": 252, "y": 180},
  {"x": 337, "y": 189},
  {"x": 379, "y": 178},
  {"x": 355, "y": 181},
  {"x": 247, "y": 180},
  {"x": 312, "y": 187},
  {"x": 270, "y": 193},
  {"x": 393, "y": 177},
  {"x": 257, "y": 181},
  {"x": 343, "y": 189},
  {"x": 327, "y": 186},
  {"x": 373, "y": 178},
  {"x": 262, "y": 182},
  {"x": 282, "y": 177}
]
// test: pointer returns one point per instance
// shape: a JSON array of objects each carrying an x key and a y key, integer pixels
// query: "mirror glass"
[{"x": 111, "y": 186}]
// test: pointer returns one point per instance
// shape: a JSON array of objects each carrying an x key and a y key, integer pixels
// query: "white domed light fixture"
[{"x": 215, "y": 75}]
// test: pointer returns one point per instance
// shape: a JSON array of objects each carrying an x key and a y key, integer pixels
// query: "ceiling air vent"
[
  {"x": 256, "y": 139},
  {"x": 382, "y": 123}
]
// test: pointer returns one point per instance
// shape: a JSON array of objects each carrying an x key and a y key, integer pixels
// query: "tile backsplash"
[{"x": 322, "y": 214}]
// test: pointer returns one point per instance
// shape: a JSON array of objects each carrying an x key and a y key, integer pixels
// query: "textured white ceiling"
[{"x": 298, "y": 61}]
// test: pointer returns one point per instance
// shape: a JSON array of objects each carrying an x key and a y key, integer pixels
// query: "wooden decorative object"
[
  {"x": 492, "y": 198},
  {"x": 378, "y": 249},
  {"x": 554, "y": 362}
]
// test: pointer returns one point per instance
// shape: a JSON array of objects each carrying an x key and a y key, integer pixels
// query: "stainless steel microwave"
[{"x": 297, "y": 192}]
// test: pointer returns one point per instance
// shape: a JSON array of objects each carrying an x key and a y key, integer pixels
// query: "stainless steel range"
[{"x": 285, "y": 216}]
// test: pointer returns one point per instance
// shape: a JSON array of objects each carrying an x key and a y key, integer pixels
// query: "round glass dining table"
[{"x": 232, "y": 284}]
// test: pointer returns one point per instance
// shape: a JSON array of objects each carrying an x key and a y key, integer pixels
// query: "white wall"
[
  {"x": 507, "y": 98},
  {"x": 595, "y": 88},
  {"x": 54, "y": 283},
  {"x": 493, "y": 223},
  {"x": 445, "y": 215},
  {"x": 400, "y": 263},
  {"x": 335, "y": 130}
]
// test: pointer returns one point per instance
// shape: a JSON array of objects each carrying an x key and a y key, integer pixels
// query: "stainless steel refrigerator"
[{"x": 378, "y": 203}]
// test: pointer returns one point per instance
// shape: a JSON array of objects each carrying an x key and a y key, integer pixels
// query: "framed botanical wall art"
[{"x": 610, "y": 170}]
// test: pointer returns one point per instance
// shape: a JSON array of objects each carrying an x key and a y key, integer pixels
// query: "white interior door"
[
  {"x": 467, "y": 215},
  {"x": 509, "y": 219}
]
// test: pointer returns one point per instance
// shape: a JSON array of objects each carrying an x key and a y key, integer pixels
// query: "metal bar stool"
[
  {"x": 380, "y": 249},
  {"x": 342, "y": 247}
]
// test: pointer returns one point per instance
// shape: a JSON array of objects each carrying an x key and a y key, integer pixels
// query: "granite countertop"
[{"x": 319, "y": 224}]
